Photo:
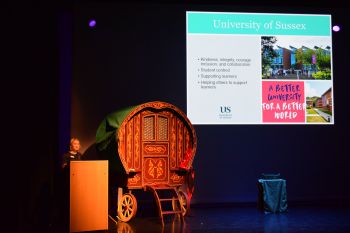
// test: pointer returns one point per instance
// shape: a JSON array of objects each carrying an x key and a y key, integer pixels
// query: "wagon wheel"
[
  {"x": 127, "y": 207},
  {"x": 184, "y": 203}
]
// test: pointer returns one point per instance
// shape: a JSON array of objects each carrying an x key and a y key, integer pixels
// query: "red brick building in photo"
[{"x": 327, "y": 100}]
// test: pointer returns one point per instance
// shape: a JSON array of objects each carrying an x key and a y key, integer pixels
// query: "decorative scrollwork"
[
  {"x": 175, "y": 178},
  {"x": 156, "y": 169},
  {"x": 135, "y": 179},
  {"x": 155, "y": 149}
]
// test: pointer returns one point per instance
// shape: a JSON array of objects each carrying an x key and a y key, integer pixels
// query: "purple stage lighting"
[
  {"x": 336, "y": 28},
  {"x": 92, "y": 23}
]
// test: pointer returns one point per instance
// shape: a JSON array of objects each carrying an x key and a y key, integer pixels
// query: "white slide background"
[{"x": 229, "y": 103}]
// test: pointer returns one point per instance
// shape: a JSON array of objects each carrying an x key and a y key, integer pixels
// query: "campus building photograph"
[
  {"x": 295, "y": 58},
  {"x": 319, "y": 102}
]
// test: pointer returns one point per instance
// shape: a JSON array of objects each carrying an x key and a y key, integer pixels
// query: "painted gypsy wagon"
[{"x": 151, "y": 147}]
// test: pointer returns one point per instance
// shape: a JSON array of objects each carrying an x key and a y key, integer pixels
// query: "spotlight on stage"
[
  {"x": 336, "y": 28},
  {"x": 92, "y": 23}
]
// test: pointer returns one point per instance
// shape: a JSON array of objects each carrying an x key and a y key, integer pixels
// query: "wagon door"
[{"x": 155, "y": 147}]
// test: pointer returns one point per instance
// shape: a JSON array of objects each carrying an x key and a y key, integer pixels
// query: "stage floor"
[
  {"x": 243, "y": 219},
  {"x": 233, "y": 219}
]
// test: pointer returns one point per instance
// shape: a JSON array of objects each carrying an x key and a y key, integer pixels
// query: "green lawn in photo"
[
  {"x": 315, "y": 119},
  {"x": 311, "y": 111}
]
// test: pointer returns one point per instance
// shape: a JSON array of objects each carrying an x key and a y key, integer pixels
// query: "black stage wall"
[{"x": 30, "y": 78}]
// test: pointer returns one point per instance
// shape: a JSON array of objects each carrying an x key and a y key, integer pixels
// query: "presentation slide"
[{"x": 257, "y": 68}]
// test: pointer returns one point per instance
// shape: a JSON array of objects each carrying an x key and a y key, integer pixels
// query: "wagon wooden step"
[
  {"x": 161, "y": 187},
  {"x": 169, "y": 199},
  {"x": 175, "y": 201},
  {"x": 172, "y": 212}
]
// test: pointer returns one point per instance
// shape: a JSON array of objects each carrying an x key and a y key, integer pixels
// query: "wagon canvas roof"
[{"x": 109, "y": 126}]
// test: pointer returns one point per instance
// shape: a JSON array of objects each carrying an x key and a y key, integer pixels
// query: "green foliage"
[
  {"x": 314, "y": 98},
  {"x": 323, "y": 59},
  {"x": 304, "y": 57},
  {"x": 322, "y": 75},
  {"x": 267, "y": 52}
]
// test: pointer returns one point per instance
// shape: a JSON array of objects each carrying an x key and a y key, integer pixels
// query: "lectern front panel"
[{"x": 88, "y": 195}]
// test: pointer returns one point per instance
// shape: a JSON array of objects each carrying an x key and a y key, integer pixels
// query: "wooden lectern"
[{"x": 88, "y": 195}]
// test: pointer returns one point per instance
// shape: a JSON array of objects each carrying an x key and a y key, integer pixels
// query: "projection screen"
[{"x": 259, "y": 68}]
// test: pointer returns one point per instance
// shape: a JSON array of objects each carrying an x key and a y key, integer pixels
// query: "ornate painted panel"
[
  {"x": 172, "y": 141},
  {"x": 187, "y": 143},
  {"x": 137, "y": 142},
  {"x": 175, "y": 179},
  {"x": 129, "y": 143},
  {"x": 121, "y": 144},
  {"x": 155, "y": 170},
  {"x": 135, "y": 181},
  {"x": 155, "y": 149},
  {"x": 180, "y": 141}
]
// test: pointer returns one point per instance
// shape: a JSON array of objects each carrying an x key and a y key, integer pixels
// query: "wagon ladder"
[{"x": 171, "y": 195}]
